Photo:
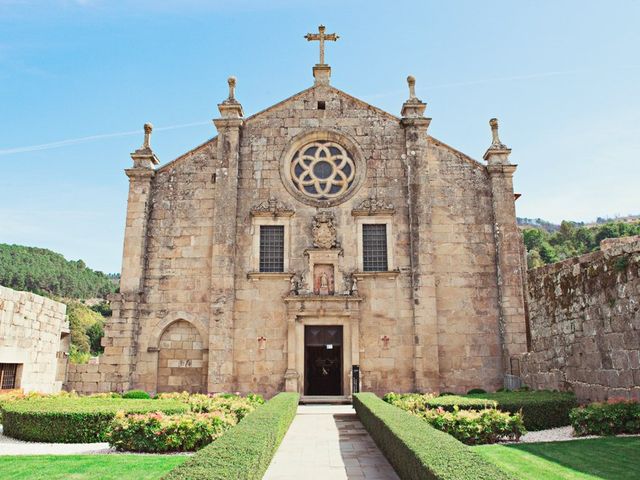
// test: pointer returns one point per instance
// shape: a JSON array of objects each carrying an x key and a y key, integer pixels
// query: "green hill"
[
  {"x": 44, "y": 272},
  {"x": 571, "y": 239}
]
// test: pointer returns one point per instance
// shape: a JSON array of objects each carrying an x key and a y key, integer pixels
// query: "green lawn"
[
  {"x": 87, "y": 467},
  {"x": 598, "y": 458}
]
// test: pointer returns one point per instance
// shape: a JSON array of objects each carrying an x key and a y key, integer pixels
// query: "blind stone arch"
[{"x": 182, "y": 359}]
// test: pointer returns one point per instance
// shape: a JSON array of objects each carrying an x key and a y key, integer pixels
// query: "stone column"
[
  {"x": 119, "y": 358},
  {"x": 223, "y": 250},
  {"x": 426, "y": 364},
  {"x": 135, "y": 233},
  {"x": 509, "y": 261},
  {"x": 291, "y": 376}
]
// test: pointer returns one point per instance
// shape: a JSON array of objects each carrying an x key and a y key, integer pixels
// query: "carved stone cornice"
[
  {"x": 373, "y": 206},
  {"x": 272, "y": 208},
  {"x": 502, "y": 169},
  {"x": 144, "y": 173}
]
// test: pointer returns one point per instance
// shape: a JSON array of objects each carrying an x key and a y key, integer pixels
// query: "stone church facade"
[{"x": 320, "y": 246}]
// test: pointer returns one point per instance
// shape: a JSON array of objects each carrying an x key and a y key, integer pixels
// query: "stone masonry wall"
[
  {"x": 34, "y": 334},
  {"x": 585, "y": 324},
  {"x": 441, "y": 326}
]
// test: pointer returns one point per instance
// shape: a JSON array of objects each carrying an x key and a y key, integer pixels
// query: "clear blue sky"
[{"x": 563, "y": 77}]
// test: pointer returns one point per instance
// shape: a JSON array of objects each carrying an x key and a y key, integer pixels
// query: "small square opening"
[{"x": 321, "y": 105}]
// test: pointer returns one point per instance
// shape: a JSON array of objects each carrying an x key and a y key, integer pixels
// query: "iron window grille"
[
  {"x": 374, "y": 248},
  {"x": 272, "y": 248},
  {"x": 8, "y": 374}
]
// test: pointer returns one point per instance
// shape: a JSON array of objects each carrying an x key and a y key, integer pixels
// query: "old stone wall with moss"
[{"x": 584, "y": 317}]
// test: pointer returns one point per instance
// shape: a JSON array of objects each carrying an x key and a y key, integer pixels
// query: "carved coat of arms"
[{"x": 324, "y": 231}]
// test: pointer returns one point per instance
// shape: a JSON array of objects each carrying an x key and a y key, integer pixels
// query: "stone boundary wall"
[
  {"x": 34, "y": 333},
  {"x": 584, "y": 316}
]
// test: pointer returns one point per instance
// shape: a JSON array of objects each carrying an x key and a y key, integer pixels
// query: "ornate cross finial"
[
  {"x": 232, "y": 88},
  {"x": 148, "y": 128},
  {"x": 321, "y": 37},
  {"x": 411, "y": 80}
]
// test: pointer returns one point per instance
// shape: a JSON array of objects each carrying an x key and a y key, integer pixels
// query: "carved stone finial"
[
  {"x": 494, "y": 133},
  {"x": 232, "y": 88},
  {"x": 498, "y": 152},
  {"x": 411, "y": 81},
  {"x": 148, "y": 128}
]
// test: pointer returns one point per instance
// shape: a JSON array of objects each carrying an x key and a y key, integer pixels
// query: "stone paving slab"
[{"x": 328, "y": 442}]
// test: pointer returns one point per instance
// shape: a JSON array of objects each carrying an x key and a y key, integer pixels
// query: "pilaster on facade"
[
  {"x": 223, "y": 250},
  {"x": 509, "y": 260},
  {"x": 425, "y": 315}
]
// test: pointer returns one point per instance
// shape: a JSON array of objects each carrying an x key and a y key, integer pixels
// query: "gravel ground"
[
  {"x": 560, "y": 434},
  {"x": 11, "y": 446}
]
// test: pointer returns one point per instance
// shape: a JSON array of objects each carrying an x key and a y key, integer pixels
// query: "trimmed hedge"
[
  {"x": 73, "y": 419},
  {"x": 541, "y": 409},
  {"x": 245, "y": 451},
  {"x": 418, "y": 451},
  {"x": 607, "y": 418}
]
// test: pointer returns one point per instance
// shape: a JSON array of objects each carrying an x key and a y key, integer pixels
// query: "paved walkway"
[{"x": 328, "y": 442}]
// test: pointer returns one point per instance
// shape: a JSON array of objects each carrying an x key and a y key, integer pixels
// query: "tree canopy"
[
  {"x": 44, "y": 272},
  {"x": 570, "y": 240}
]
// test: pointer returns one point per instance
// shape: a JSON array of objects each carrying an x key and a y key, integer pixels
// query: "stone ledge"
[
  {"x": 269, "y": 275},
  {"x": 388, "y": 274}
]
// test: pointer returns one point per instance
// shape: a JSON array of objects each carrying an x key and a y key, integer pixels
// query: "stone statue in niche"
[
  {"x": 323, "y": 280},
  {"x": 293, "y": 285},
  {"x": 324, "y": 231}
]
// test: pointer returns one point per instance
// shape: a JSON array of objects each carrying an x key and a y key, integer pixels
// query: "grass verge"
[
  {"x": 86, "y": 467},
  {"x": 245, "y": 451},
  {"x": 610, "y": 458}
]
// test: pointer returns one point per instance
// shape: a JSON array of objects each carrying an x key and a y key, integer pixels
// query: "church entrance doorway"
[{"x": 323, "y": 360}]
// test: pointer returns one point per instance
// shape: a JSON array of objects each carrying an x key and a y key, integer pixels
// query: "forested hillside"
[
  {"x": 570, "y": 240},
  {"x": 48, "y": 273}
]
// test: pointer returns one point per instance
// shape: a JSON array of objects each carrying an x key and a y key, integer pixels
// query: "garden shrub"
[
  {"x": 476, "y": 390},
  {"x": 139, "y": 394},
  {"x": 74, "y": 419},
  {"x": 159, "y": 433},
  {"x": 606, "y": 418},
  {"x": 416, "y": 402},
  {"x": 476, "y": 427},
  {"x": 418, "y": 451},
  {"x": 245, "y": 451},
  {"x": 541, "y": 409},
  {"x": 229, "y": 402}
]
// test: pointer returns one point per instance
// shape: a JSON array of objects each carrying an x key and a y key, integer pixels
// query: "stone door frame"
[{"x": 333, "y": 310}]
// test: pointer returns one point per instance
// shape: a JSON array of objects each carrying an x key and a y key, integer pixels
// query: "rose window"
[{"x": 322, "y": 170}]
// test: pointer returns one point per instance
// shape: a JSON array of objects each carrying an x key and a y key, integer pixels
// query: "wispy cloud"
[
  {"x": 91, "y": 138},
  {"x": 484, "y": 81}
]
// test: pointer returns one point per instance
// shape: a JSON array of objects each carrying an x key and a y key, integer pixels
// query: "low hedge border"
[
  {"x": 541, "y": 409},
  {"x": 73, "y": 420},
  {"x": 245, "y": 451},
  {"x": 418, "y": 451}
]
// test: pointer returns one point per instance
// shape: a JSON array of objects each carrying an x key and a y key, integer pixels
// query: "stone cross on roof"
[{"x": 321, "y": 37}]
